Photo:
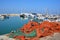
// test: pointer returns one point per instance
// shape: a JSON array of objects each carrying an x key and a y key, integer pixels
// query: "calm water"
[{"x": 13, "y": 23}]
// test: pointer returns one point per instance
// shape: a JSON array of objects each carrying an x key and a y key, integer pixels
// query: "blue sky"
[{"x": 37, "y": 6}]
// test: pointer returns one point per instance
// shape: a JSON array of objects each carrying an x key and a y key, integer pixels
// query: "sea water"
[{"x": 12, "y": 23}]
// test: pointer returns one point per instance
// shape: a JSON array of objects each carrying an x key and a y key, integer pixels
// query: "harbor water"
[{"x": 12, "y": 23}]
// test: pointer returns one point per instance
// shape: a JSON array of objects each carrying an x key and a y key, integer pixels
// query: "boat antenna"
[
  {"x": 47, "y": 14},
  {"x": 47, "y": 11}
]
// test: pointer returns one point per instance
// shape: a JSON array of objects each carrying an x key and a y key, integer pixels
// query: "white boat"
[
  {"x": 1, "y": 16},
  {"x": 58, "y": 20},
  {"x": 41, "y": 17}
]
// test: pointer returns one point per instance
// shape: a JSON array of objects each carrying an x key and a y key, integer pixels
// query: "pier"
[{"x": 9, "y": 14}]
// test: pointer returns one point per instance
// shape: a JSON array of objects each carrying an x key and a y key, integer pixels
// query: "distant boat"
[{"x": 3, "y": 17}]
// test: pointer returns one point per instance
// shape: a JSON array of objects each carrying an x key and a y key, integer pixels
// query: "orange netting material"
[{"x": 42, "y": 29}]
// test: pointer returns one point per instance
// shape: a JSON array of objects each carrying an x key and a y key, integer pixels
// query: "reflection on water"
[{"x": 13, "y": 23}]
